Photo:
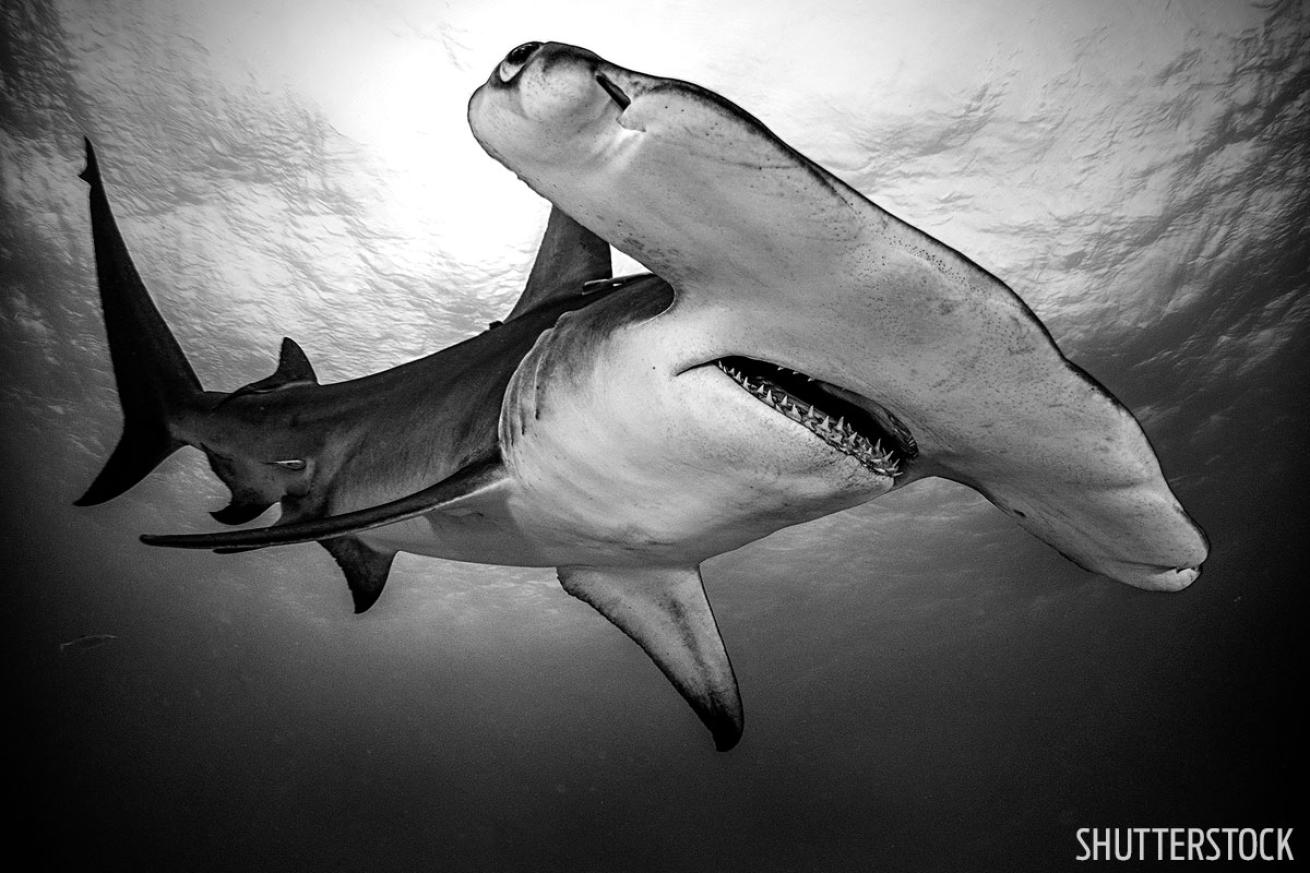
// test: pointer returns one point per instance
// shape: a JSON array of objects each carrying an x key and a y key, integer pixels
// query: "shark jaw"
[{"x": 815, "y": 405}]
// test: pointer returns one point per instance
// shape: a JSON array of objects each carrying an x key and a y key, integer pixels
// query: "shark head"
[
  {"x": 633, "y": 419},
  {"x": 777, "y": 264}
]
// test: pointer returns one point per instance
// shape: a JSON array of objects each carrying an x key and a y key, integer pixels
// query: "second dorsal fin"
[{"x": 293, "y": 368}]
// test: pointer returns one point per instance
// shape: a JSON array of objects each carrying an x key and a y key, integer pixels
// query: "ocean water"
[{"x": 927, "y": 687}]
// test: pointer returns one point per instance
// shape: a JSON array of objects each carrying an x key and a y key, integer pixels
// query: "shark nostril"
[{"x": 618, "y": 94}]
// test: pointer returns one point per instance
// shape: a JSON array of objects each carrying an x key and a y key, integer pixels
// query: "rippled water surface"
[{"x": 926, "y": 686}]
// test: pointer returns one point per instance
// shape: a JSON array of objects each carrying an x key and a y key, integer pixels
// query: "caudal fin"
[{"x": 155, "y": 380}]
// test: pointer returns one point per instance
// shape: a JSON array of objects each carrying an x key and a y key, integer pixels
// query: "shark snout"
[{"x": 1151, "y": 577}]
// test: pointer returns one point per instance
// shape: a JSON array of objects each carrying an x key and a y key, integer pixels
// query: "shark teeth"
[{"x": 839, "y": 433}]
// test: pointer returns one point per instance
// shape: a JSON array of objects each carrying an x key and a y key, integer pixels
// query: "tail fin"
[{"x": 154, "y": 378}]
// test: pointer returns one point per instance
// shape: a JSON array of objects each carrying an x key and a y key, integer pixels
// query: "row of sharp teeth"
[{"x": 839, "y": 434}]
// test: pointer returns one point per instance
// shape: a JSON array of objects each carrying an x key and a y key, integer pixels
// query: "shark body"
[{"x": 799, "y": 352}]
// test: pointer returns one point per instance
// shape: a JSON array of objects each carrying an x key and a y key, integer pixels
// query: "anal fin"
[
  {"x": 365, "y": 568},
  {"x": 664, "y": 609}
]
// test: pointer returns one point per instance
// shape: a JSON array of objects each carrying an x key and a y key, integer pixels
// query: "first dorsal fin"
[
  {"x": 569, "y": 256},
  {"x": 293, "y": 368},
  {"x": 664, "y": 609}
]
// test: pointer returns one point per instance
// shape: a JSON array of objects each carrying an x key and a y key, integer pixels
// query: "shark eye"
[
  {"x": 514, "y": 61},
  {"x": 291, "y": 464}
]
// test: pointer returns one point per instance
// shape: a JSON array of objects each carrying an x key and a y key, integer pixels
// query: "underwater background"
[{"x": 927, "y": 687}]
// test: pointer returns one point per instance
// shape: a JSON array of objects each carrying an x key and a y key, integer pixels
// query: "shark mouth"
[{"x": 874, "y": 437}]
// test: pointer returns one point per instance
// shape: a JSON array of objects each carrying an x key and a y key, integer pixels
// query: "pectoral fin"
[
  {"x": 474, "y": 479},
  {"x": 365, "y": 567},
  {"x": 665, "y": 610}
]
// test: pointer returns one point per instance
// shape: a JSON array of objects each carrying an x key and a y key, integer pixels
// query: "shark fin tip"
[
  {"x": 727, "y": 735},
  {"x": 91, "y": 173}
]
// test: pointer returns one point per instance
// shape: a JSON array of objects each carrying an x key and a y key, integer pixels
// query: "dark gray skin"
[{"x": 323, "y": 450}]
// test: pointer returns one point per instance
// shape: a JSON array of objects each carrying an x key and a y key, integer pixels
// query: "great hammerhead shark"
[{"x": 797, "y": 352}]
